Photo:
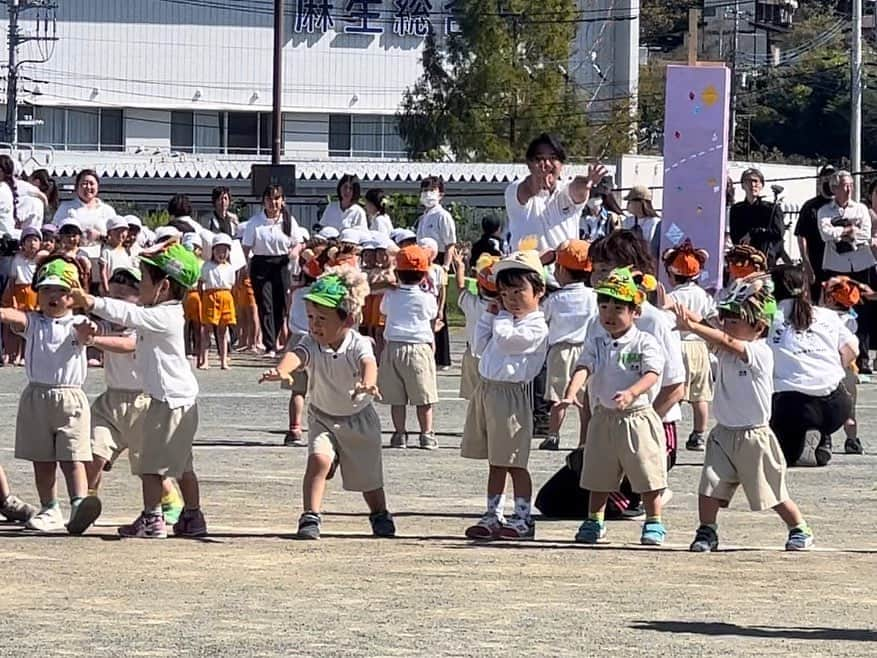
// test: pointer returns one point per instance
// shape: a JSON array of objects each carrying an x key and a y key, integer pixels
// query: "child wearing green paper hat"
[
  {"x": 742, "y": 449},
  {"x": 53, "y": 426},
  {"x": 168, "y": 272},
  {"x": 343, "y": 425},
  {"x": 625, "y": 436}
]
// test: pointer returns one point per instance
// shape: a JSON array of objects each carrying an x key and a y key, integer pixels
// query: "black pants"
[
  {"x": 794, "y": 414},
  {"x": 267, "y": 276},
  {"x": 541, "y": 406},
  {"x": 865, "y": 312}
]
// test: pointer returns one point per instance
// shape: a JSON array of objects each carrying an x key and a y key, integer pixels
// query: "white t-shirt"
[
  {"x": 7, "y": 217},
  {"x": 512, "y": 350},
  {"x": 53, "y": 354},
  {"x": 409, "y": 312},
  {"x": 615, "y": 364},
  {"x": 809, "y": 361},
  {"x": 31, "y": 211},
  {"x": 115, "y": 259},
  {"x": 438, "y": 224},
  {"x": 89, "y": 218},
  {"x": 696, "y": 299},
  {"x": 23, "y": 269},
  {"x": 567, "y": 312},
  {"x": 382, "y": 224},
  {"x": 266, "y": 237},
  {"x": 218, "y": 276},
  {"x": 744, "y": 389},
  {"x": 298, "y": 312},
  {"x": 332, "y": 375},
  {"x": 473, "y": 307},
  {"x": 552, "y": 217},
  {"x": 120, "y": 370},
  {"x": 648, "y": 226},
  {"x": 353, "y": 217}
]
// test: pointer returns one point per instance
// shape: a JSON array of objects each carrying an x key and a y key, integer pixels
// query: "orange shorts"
[
  {"x": 22, "y": 297},
  {"x": 243, "y": 293},
  {"x": 371, "y": 312},
  {"x": 217, "y": 308},
  {"x": 192, "y": 306}
]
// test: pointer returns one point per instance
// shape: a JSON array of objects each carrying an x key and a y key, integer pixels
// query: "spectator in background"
[
  {"x": 810, "y": 242},
  {"x": 376, "y": 211},
  {"x": 755, "y": 221},
  {"x": 90, "y": 212},
  {"x": 643, "y": 219},
  {"x": 602, "y": 215},
  {"x": 47, "y": 185},
  {"x": 346, "y": 211},
  {"x": 222, "y": 220},
  {"x": 490, "y": 242}
]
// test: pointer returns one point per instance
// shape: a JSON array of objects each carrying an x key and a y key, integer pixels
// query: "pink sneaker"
[
  {"x": 145, "y": 526},
  {"x": 191, "y": 524}
]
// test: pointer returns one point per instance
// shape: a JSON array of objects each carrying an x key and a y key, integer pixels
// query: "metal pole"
[
  {"x": 733, "y": 122},
  {"x": 856, "y": 89},
  {"x": 277, "y": 112},
  {"x": 12, "y": 76}
]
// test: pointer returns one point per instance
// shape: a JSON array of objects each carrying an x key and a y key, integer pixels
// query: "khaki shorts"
[
  {"x": 561, "y": 364},
  {"x": 499, "y": 424},
  {"x": 469, "y": 376},
  {"x": 699, "y": 382},
  {"x": 851, "y": 383},
  {"x": 749, "y": 457},
  {"x": 53, "y": 425},
  {"x": 299, "y": 383},
  {"x": 623, "y": 443},
  {"x": 356, "y": 440},
  {"x": 114, "y": 418},
  {"x": 166, "y": 437},
  {"x": 407, "y": 374}
]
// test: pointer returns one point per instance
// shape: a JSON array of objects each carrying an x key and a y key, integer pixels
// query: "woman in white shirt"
[
  {"x": 346, "y": 212},
  {"x": 811, "y": 348},
  {"x": 91, "y": 213},
  {"x": 376, "y": 210},
  {"x": 8, "y": 196},
  {"x": 268, "y": 238}
]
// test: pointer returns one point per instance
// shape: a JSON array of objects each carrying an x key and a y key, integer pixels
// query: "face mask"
[
  {"x": 595, "y": 204},
  {"x": 430, "y": 198}
]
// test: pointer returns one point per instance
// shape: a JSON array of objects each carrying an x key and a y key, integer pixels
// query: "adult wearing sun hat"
[{"x": 643, "y": 218}]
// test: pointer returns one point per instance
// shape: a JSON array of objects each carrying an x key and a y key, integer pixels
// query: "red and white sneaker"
[
  {"x": 145, "y": 526},
  {"x": 487, "y": 528}
]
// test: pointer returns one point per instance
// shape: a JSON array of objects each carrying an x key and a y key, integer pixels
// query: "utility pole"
[
  {"x": 277, "y": 112},
  {"x": 732, "y": 129},
  {"x": 856, "y": 93}
]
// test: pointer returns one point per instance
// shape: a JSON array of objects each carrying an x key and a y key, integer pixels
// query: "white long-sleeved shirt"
[
  {"x": 161, "y": 348},
  {"x": 861, "y": 257},
  {"x": 409, "y": 312},
  {"x": 473, "y": 307},
  {"x": 512, "y": 350},
  {"x": 567, "y": 312}
]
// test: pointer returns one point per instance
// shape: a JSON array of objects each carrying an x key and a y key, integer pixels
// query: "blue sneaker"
[
  {"x": 654, "y": 533},
  {"x": 591, "y": 532},
  {"x": 799, "y": 540}
]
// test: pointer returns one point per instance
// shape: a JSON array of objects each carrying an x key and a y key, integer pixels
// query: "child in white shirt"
[
  {"x": 473, "y": 303},
  {"x": 113, "y": 254},
  {"x": 567, "y": 312},
  {"x": 512, "y": 339},
  {"x": 407, "y": 373},
  {"x": 169, "y": 271},
  {"x": 684, "y": 264},
  {"x": 52, "y": 428},
  {"x": 622, "y": 366},
  {"x": 742, "y": 449},
  {"x": 343, "y": 425},
  {"x": 218, "y": 277}
]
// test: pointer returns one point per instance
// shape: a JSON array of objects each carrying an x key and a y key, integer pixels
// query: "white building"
[{"x": 749, "y": 27}]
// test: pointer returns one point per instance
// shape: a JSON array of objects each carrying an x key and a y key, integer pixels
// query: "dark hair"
[
  {"x": 7, "y": 168},
  {"x": 509, "y": 278},
  {"x": 354, "y": 183},
  {"x": 410, "y": 277},
  {"x": 576, "y": 275},
  {"x": 490, "y": 224},
  {"x": 218, "y": 192},
  {"x": 729, "y": 192},
  {"x": 607, "y": 299},
  {"x": 69, "y": 229},
  {"x": 124, "y": 278},
  {"x": 433, "y": 183},
  {"x": 648, "y": 208},
  {"x": 377, "y": 198},
  {"x": 272, "y": 191},
  {"x": 790, "y": 283},
  {"x": 157, "y": 275},
  {"x": 182, "y": 227},
  {"x": 624, "y": 248},
  {"x": 179, "y": 206},
  {"x": 752, "y": 172},
  {"x": 679, "y": 279},
  {"x": 87, "y": 172},
  {"x": 611, "y": 204},
  {"x": 47, "y": 185},
  {"x": 551, "y": 141}
]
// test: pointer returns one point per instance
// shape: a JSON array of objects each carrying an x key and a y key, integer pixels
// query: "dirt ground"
[{"x": 249, "y": 590}]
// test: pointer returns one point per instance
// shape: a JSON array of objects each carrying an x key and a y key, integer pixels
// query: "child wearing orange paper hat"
[
  {"x": 841, "y": 294},
  {"x": 684, "y": 264},
  {"x": 568, "y": 312},
  {"x": 743, "y": 260}
]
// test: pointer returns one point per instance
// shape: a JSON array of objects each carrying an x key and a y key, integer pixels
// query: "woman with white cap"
[{"x": 90, "y": 211}]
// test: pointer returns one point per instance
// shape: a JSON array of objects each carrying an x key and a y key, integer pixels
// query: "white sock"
[{"x": 495, "y": 505}]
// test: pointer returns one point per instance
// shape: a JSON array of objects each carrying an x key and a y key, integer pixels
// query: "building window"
[
  {"x": 339, "y": 135},
  {"x": 364, "y": 136},
  {"x": 209, "y": 132},
  {"x": 182, "y": 134},
  {"x": 224, "y": 133},
  {"x": 74, "y": 129},
  {"x": 112, "y": 130},
  {"x": 243, "y": 133}
]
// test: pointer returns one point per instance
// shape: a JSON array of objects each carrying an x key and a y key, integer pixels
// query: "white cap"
[
  {"x": 328, "y": 233},
  {"x": 370, "y": 243},
  {"x": 116, "y": 222},
  {"x": 191, "y": 240},
  {"x": 133, "y": 220},
  {"x": 222, "y": 239},
  {"x": 351, "y": 236},
  {"x": 382, "y": 240},
  {"x": 402, "y": 234},
  {"x": 71, "y": 221},
  {"x": 429, "y": 243},
  {"x": 164, "y": 232}
]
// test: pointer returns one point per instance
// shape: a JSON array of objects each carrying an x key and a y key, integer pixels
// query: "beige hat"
[
  {"x": 639, "y": 193},
  {"x": 521, "y": 260}
]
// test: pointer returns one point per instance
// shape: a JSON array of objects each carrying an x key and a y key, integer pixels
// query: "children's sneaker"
[
  {"x": 591, "y": 532},
  {"x": 309, "y": 526},
  {"x": 83, "y": 514},
  {"x": 516, "y": 527},
  {"x": 399, "y": 440},
  {"x": 382, "y": 524},
  {"x": 705, "y": 540},
  {"x": 145, "y": 526},
  {"x": 191, "y": 524},
  {"x": 488, "y": 527},
  {"x": 171, "y": 510},
  {"x": 48, "y": 519},
  {"x": 15, "y": 509},
  {"x": 294, "y": 439},
  {"x": 551, "y": 443},
  {"x": 851, "y": 447},
  {"x": 653, "y": 534},
  {"x": 695, "y": 442},
  {"x": 799, "y": 540},
  {"x": 428, "y": 441}
]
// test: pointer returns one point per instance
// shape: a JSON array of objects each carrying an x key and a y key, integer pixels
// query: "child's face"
[
  {"x": 48, "y": 244},
  {"x": 382, "y": 258},
  {"x": 616, "y": 317},
  {"x": 326, "y": 326},
  {"x": 117, "y": 236},
  {"x": 519, "y": 299},
  {"x": 221, "y": 253},
  {"x": 152, "y": 292},
  {"x": 70, "y": 241},
  {"x": 740, "y": 329},
  {"x": 131, "y": 237},
  {"x": 123, "y": 292},
  {"x": 369, "y": 258},
  {"x": 30, "y": 246},
  {"x": 54, "y": 301}
]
